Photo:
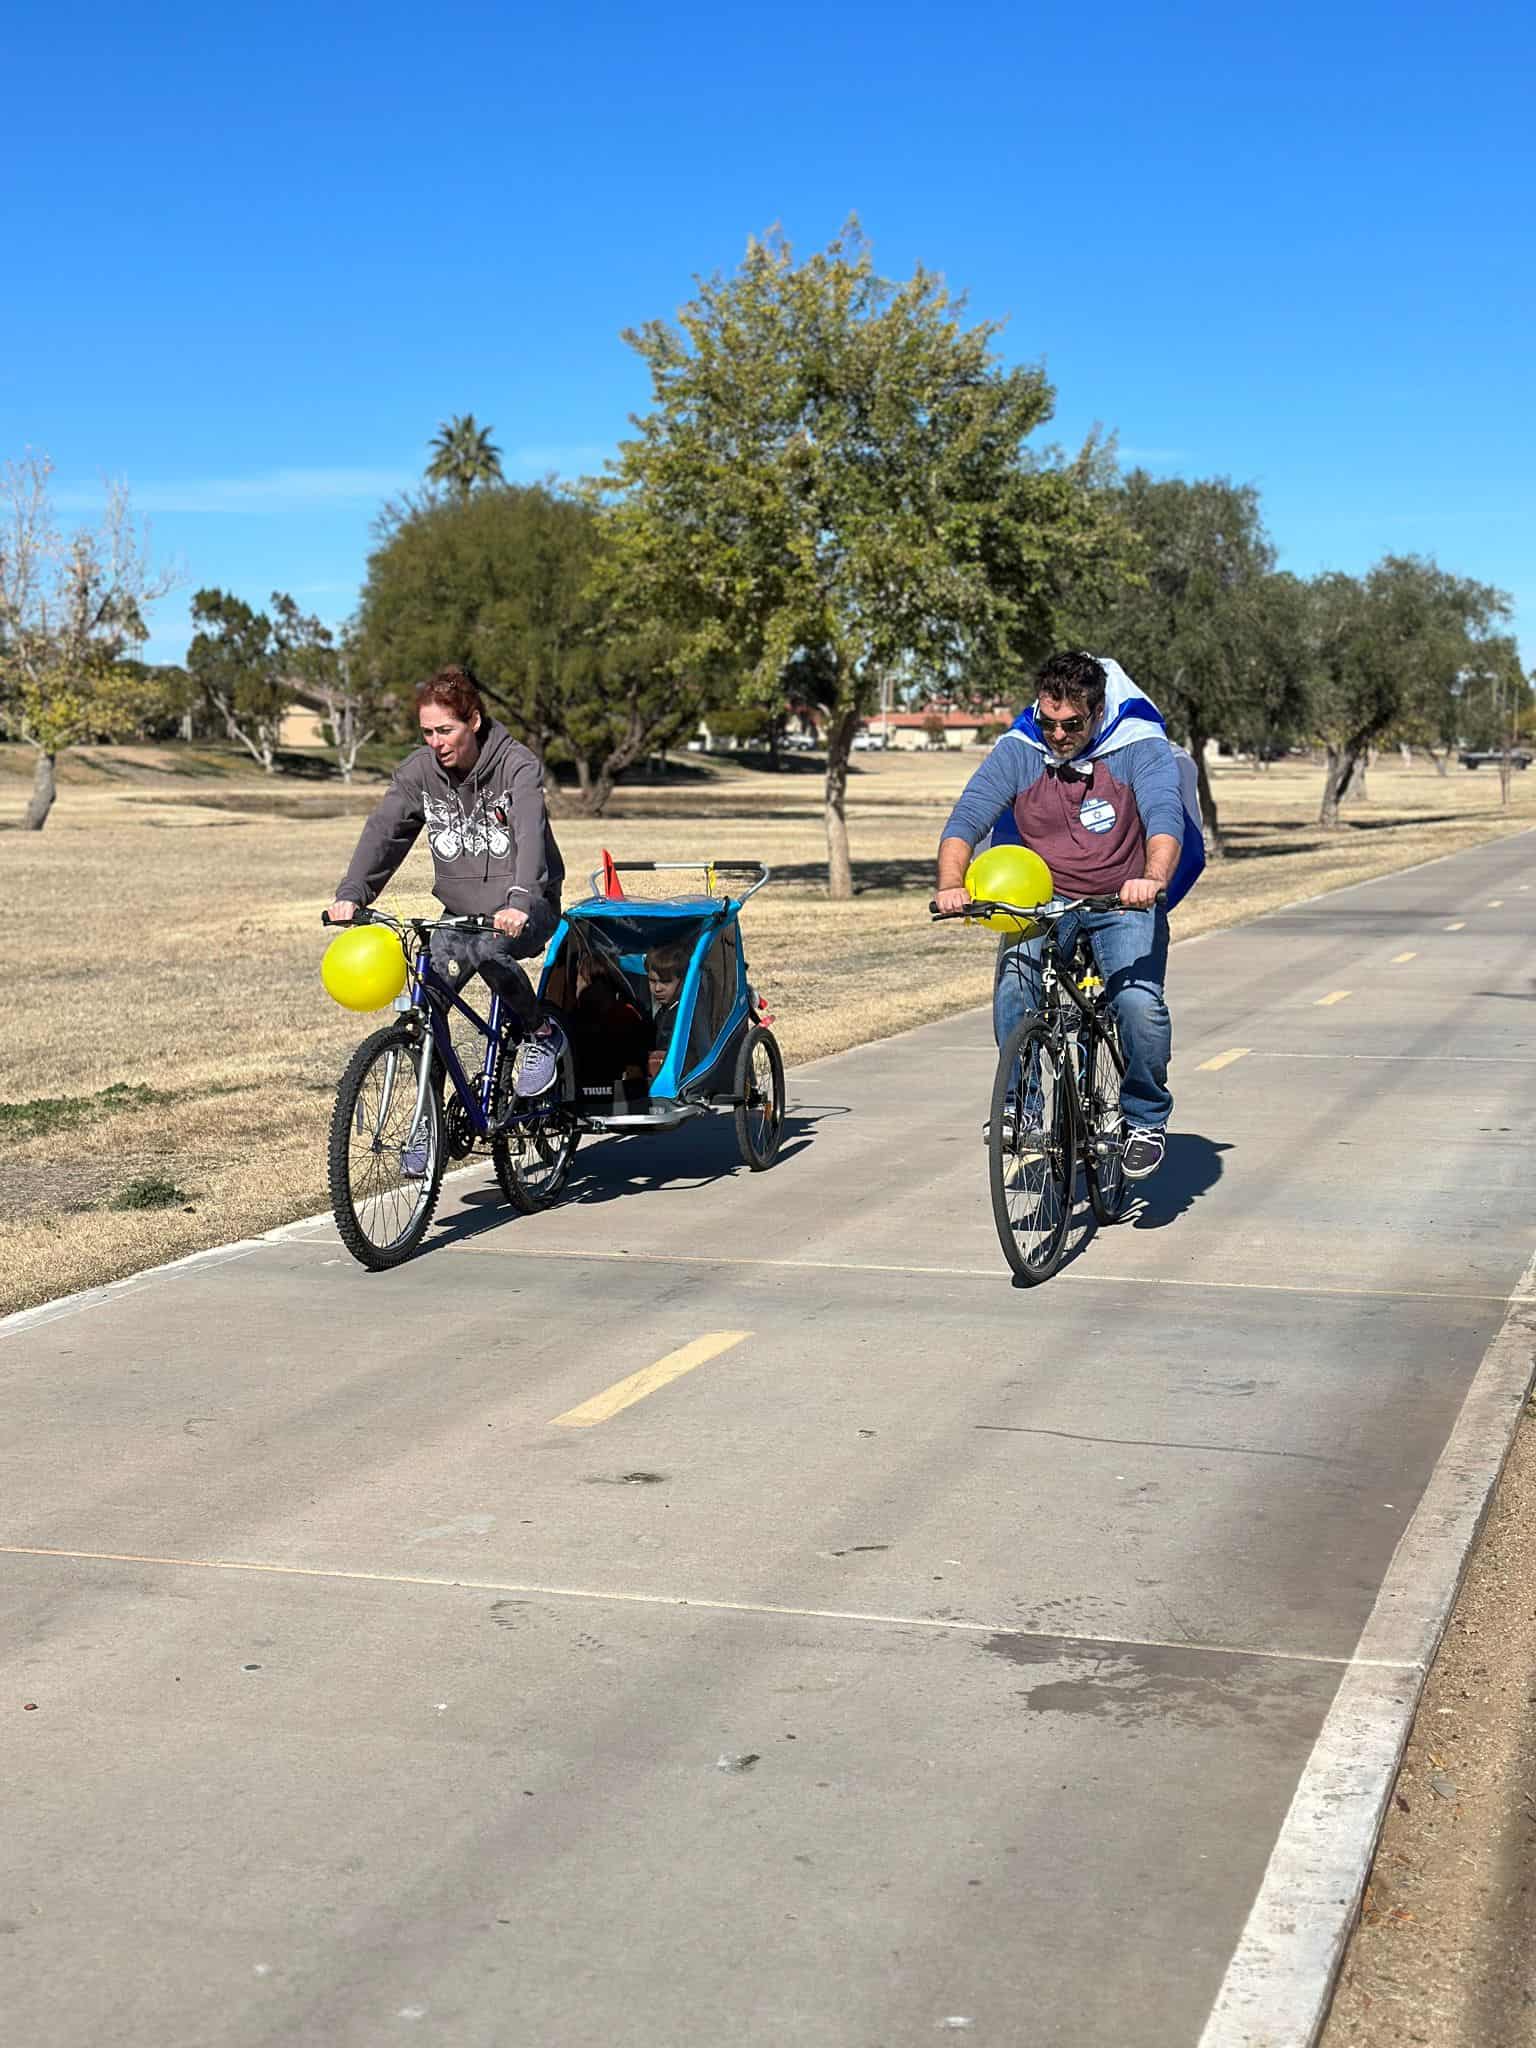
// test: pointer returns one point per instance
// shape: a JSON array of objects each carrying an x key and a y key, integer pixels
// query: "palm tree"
[{"x": 463, "y": 455}]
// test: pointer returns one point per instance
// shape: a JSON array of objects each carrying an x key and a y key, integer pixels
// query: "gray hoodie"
[{"x": 488, "y": 830}]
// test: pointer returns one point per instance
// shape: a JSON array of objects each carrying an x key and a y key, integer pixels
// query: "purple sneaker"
[{"x": 537, "y": 1065}]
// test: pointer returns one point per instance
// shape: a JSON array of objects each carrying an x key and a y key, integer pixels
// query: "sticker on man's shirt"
[{"x": 1097, "y": 815}]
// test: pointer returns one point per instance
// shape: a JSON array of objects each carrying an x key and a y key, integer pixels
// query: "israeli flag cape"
[{"x": 1130, "y": 717}]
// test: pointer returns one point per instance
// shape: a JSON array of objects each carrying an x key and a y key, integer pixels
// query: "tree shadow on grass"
[
  {"x": 868, "y": 875},
  {"x": 1234, "y": 837}
]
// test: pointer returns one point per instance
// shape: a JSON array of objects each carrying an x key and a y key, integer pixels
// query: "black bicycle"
[{"x": 1055, "y": 1098}]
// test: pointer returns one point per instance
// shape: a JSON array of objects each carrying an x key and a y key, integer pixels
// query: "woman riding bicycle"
[
  {"x": 480, "y": 796},
  {"x": 1087, "y": 778}
]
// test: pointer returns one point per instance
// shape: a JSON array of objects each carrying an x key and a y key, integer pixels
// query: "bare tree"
[
  {"x": 71, "y": 607},
  {"x": 329, "y": 679}
]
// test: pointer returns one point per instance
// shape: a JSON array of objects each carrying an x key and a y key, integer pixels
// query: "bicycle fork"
[{"x": 387, "y": 1094}]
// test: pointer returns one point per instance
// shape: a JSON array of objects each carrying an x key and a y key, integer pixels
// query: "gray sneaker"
[
  {"x": 414, "y": 1161},
  {"x": 1143, "y": 1153}
]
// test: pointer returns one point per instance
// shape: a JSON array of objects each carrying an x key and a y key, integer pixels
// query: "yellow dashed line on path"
[
  {"x": 1496, "y": 903},
  {"x": 1338, "y": 996},
  {"x": 1399, "y": 958},
  {"x": 624, "y": 1393},
  {"x": 1223, "y": 1059},
  {"x": 1459, "y": 926}
]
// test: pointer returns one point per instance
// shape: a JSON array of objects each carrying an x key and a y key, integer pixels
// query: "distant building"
[
  {"x": 912, "y": 730},
  {"x": 300, "y": 728}
]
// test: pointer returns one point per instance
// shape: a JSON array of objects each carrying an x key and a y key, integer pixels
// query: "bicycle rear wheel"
[
  {"x": 759, "y": 1098},
  {"x": 533, "y": 1161},
  {"x": 533, "y": 1156},
  {"x": 1032, "y": 1150},
  {"x": 385, "y": 1169},
  {"x": 1103, "y": 1069}
]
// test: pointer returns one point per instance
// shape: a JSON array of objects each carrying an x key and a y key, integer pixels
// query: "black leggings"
[{"x": 495, "y": 956}]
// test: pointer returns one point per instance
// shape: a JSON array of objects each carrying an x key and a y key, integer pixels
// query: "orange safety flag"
[{"x": 612, "y": 886}]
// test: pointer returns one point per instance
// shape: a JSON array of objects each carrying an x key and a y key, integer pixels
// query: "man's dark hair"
[
  {"x": 454, "y": 688},
  {"x": 1076, "y": 678}
]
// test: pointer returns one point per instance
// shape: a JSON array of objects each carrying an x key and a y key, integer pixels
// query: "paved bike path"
[{"x": 933, "y": 1651}]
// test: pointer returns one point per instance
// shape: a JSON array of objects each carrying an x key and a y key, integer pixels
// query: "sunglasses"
[{"x": 1060, "y": 724}]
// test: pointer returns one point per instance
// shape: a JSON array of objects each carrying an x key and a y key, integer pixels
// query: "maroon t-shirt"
[{"x": 1088, "y": 833}]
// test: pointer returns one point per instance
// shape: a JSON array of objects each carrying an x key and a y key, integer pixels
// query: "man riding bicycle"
[
  {"x": 481, "y": 797},
  {"x": 1087, "y": 778}
]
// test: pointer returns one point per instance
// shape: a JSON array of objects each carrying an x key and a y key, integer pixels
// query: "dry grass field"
[{"x": 164, "y": 1019}]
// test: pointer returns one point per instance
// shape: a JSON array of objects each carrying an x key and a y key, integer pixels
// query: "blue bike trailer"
[{"x": 696, "y": 941}]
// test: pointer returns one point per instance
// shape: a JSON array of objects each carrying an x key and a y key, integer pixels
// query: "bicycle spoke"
[
  {"x": 1032, "y": 1152},
  {"x": 386, "y": 1177}
]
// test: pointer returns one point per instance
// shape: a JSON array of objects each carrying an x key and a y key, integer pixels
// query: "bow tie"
[{"x": 1068, "y": 771}]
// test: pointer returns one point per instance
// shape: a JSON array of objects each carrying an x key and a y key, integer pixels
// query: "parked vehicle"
[{"x": 1474, "y": 757}]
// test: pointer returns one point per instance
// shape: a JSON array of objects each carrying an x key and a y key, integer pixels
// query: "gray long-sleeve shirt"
[{"x": 488, "y": 830}]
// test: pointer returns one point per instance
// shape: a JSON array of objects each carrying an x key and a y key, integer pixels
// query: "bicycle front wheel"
[
  {"x": 386, "y": 1168},
  {"x": 1103, "y": 1069},
  {"x": 1032, "y": 1150}
]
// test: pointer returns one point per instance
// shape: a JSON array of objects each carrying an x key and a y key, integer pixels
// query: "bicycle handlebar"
[
  {"x": 1054, "y": 910},
  {"x": 472, "y": 922}
]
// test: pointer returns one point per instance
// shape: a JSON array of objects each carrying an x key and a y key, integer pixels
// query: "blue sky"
[{"x": 255, "y": 256}]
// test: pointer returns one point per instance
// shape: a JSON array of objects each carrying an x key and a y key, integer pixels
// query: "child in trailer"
[
  {"x": 664, "y": 972},
  {"x": 608, "y": 1032}
]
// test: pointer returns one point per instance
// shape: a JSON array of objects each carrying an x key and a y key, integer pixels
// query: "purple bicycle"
[{"x": 408, "y": 1103}]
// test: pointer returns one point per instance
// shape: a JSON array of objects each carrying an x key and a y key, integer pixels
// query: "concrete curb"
[{"x": 1279, "y": 1983}]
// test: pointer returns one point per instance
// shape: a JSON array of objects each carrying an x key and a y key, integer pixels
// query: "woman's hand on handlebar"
[
  {"x": 340, "y": 913},
  {"x": 510, "y": 921},
  {"x": 949, "y": 901}
]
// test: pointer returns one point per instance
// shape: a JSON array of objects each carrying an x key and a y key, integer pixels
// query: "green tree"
[
  {"x": 238, "y": 666},
  {"x": 1383, "y": 644},
  {"x": 167, "y": 699},
  {"x": 71, "y": 609},
  {"x": 833, "y": 483},
  {"x": 507, "y": 582},
  {"x": 1192, "y": 625},
  {"x": 1493, "y": 700},
  {"x": 1271, "y": 706},
  {"x": 463, "y": 455},
  {"x": 743, "y": 723}
]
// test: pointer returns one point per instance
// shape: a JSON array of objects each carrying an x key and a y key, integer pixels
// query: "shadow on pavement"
[
  {"x": 608, "y": 1169},
  {"x": 1190, "y": 1169}
]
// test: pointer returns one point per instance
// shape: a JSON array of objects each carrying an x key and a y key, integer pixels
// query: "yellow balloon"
[
  {"x": 364, "y": 968},
  {"x": 1010, "y": 874}
]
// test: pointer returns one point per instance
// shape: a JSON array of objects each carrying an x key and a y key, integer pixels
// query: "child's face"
[{"x": 665, "y": 980}]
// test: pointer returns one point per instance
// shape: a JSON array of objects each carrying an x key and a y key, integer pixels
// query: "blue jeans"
[{"x": 1130, "y": 948}]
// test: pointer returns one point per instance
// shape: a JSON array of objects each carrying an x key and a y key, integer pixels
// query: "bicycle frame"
[
  {"x": 1055, "y": 977},
  {"x": 431, "y": 999}
]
